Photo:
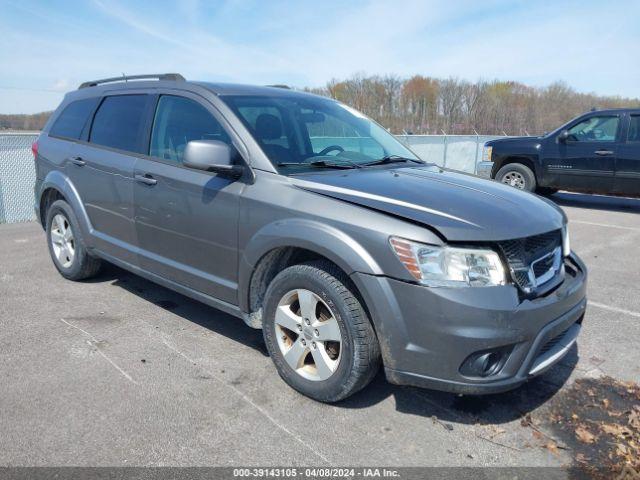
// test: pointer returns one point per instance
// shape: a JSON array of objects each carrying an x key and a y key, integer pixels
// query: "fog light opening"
[
  {"x": 485, "y": 363},
  {"x": 491, "y": 363}
]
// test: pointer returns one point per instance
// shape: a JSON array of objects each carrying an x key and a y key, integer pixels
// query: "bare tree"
[{"x": 429, "y": 105}]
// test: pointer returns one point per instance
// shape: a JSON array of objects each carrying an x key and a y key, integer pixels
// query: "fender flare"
[
  {"x": 59, "y": 181},
  {"x": 532, "y": 158},
  {"x": 317, "y": 237}
]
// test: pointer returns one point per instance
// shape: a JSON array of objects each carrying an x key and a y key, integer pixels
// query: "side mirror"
[
  {"x": 564, "y": 136},
  {"x": 211, "y": 156}
]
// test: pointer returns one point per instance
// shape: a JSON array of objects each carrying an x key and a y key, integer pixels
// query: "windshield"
[{"x": 298, "y": 134}]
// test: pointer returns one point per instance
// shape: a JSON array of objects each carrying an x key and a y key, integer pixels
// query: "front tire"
[
  {"x": 318, "y": 333},
  {"x": 517, "y": 175},
  {"x": 66, "y": 245}
]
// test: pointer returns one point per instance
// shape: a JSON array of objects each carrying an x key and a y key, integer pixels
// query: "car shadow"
[
  {"x": 469, "y": 409},
  {"x": 596, "y": 202},
  {"x": 185, "y": 307},
  {"x": 446, "y": 407}
]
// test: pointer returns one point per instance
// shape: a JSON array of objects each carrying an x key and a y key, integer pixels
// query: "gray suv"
[{"x": 305, "y": 219}]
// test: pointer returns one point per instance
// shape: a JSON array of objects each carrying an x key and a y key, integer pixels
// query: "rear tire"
[
  {"x": 517, "y": 175},
  {"x": 313, "y": 318},
  {"x": 66, "y": 245}
]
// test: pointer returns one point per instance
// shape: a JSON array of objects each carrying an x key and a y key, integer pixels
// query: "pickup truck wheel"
[
  {"x": 517, "y": 175},
  {"x": 317, "y": 332},
  {"x": 66, "y": 246}
]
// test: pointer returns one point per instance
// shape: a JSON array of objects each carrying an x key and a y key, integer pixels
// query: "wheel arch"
[
  {"x": 56, "y": 186},
  {"x": 527, "y": 161},
  {"x": 269, "y": 252}
]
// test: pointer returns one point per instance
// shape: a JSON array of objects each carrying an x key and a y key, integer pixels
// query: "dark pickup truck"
[{"x": 598, "y": 152}]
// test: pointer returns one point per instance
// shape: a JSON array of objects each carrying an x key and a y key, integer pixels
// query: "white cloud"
[{"x": 61, "y": 85}]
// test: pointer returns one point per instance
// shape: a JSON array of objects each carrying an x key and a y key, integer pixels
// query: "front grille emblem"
[
  {"x": 544, "y": 268},
  {"x": 534, "y": 261}
]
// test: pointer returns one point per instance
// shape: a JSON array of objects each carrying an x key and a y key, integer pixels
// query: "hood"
[
  {"x": 460, "y": 207},
  {"x": 531, "y": 143}
]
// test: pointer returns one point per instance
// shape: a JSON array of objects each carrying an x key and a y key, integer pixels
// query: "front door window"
[{"x": 595, "y": 129}]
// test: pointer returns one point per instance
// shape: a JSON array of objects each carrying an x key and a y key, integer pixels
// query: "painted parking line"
[
  {"x": 614, "y": 309},
  {"x": 94, "y": 342},
  {"x": 606, "y": 225},
  {"x": 166, "y": 341}
]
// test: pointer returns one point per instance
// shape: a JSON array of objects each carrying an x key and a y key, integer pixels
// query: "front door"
[
  {"x": 627, "y": 180},
  {"x": 586, "y": 159},
  {"x": 186, "y": 220}
]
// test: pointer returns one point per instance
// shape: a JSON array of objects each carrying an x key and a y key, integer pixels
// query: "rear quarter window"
[
  {"x": 73, "y": 119},
  {"x": 118, "y": 122}
]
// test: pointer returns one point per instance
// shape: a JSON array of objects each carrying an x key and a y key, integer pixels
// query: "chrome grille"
[{"x": 531, "y": 259}]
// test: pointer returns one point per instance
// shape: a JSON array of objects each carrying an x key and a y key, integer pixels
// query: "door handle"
[
  {"x": 146, "y": 179},
  {"x": 77, "y": 161},
  {"x": 603, "y": 152}
]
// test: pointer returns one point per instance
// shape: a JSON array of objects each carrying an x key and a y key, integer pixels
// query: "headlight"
[
  {"x": 435, "y": 266},
  {"x": 486, "y": 154},
  {"x": 566, "y": 244}
]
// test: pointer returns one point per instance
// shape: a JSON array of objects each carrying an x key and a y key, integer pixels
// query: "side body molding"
[{"x": 328, "y": 241}]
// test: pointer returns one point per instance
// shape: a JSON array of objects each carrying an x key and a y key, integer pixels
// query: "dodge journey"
[{"x": 306, "y": 219}]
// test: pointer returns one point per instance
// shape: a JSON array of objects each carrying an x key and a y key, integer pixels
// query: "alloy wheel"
[
  {"x": 308, "y": 335},
  {"x": 62, "y": 240}
]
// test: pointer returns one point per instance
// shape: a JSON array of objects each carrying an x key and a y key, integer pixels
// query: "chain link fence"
[
  {"x": 17, "y": 169},
  {"x": 17, "y": 177},
  {"x": 457, "y": 152}
]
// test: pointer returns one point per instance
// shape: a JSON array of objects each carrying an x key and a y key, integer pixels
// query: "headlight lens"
[
  {"x": 486, "y": 154},
  {"x": 435, "y": 266},
  {"x": 566, "y": 244}
]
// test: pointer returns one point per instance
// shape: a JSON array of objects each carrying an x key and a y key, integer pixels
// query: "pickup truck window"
[
  {"x": 634, "y": 129},
  {"x": 600, "y": 128}
]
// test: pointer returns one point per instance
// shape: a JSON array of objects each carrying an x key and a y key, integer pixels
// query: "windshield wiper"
[
  {"x": 344, "y": 163},
  {"x": 392, "y": 159},
  {"x": 320, "y": 164}
]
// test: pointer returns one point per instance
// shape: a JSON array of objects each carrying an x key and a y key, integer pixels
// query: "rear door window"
[
  {"x": 118, "y": 123},
  {"x": 73, "y": 119},
  {"x": 634, "y": 129}
]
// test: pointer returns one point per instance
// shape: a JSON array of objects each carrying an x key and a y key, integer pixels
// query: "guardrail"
[{"x": 17, "y": 170}]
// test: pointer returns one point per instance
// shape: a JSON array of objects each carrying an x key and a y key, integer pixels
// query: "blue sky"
[{"x": 47, "y": 48}]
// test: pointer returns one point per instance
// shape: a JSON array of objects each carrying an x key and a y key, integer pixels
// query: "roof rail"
[{"x": 160, "y": 76}]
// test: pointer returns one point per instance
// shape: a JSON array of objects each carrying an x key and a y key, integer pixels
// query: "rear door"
[
  {"x": 586, "y": 160},
  {"x": 102, "y": 172},
  {"x": 186, "y": 219},
  {"x": 627, "y": 179}
]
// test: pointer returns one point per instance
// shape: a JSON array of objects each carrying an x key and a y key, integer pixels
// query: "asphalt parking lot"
[{"x": 119, "y": 371}]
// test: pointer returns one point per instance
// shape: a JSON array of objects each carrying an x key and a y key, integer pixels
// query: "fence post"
[
  {"x": 3, "y": 214},
  {"x": 444, "y": 153},
  {"x": 475, "y": 165}
]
